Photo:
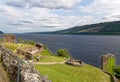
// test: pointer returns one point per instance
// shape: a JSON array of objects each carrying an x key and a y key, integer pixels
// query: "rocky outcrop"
[{"x": 19, "y": 70}]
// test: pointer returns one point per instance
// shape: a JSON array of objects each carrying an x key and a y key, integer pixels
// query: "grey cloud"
[
  {"x": 16, "y": 4},
  {"x": 50, "y": 4},
  {"x": 15, "y": 24},
  {"x": 20, "y": 23},
  {"x": 111, "y": 17},
  {"x": 117, "y": 16},
  {"x": 2, "y": 10},
  {"x": 50, "y": 26},
  {"x": 50, "y": 7},
  {"x": 27, "y": 22}
]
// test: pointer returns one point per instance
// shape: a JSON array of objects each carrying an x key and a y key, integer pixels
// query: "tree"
[
  {"x": 63, "y": 53},
  {"x": 111, "y": 64},
  {"x": 116, "y": 70},
  {"x": 20, "y": 40},
  {"x": 31, "y": 42}
]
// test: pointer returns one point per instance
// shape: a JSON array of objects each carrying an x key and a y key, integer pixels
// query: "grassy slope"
[
  {"x": 47, "y": 56},
  {"x": 110, "y": 28},
  {"x": 67, "y": 73}
]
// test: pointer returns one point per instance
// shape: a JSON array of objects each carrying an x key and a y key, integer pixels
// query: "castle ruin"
[
  {"x": 105, "y": 61},
  {"x": 9, "y": 38}
]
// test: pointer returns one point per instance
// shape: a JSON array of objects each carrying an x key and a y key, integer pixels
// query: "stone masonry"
[
  {"x": 104, "y": 61},
  {"x": 9, "y": 38},
  {"x": 18, "y": 69}
]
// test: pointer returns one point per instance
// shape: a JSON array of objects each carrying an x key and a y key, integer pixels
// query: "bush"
[
  {"x": 31, "y": 42},
  {"x": 111, "y": 64},
  {"x": 45, "y": 47},
  {"x": 63, "y": 53},
  {"x": 116, "y": 70},
  {"x": 20, "y": 40}
]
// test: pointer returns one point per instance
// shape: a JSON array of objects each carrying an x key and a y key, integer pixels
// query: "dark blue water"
[{"x": 88, "y": 48}]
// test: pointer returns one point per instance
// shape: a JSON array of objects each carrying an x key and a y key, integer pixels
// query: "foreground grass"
[{"x": 67, "y": 73}]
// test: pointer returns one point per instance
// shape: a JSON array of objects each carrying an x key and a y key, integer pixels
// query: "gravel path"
[{"x": 48, "y": 63}]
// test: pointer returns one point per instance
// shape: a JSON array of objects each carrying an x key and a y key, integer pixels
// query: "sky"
[{"x": 18, "y": 16}]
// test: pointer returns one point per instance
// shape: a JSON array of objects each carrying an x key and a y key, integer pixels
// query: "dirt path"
[
  {"x": 48, "y": 63},
  {"x": 3, "y": 75}
]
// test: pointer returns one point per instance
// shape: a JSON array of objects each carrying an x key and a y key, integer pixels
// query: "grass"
[
  {"x": 49, "y": 58},
  {"x": 14, "y": 46},
  {"x": 46, "y": 52},
  {"x": 67, "y": 73},
  {"x": 110, "y": 65},
  {"x": 63, "y": 72},
  {"x": 4, "y": 77},
  {"x": 11, "y": 46}
]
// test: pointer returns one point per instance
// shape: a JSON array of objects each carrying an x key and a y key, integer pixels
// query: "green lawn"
[
  {"x": 14, "y": 46},
  {"x": 11, "y": 46},
  {"x": 67, "y": 73},
  {"x": 47, "y": 56},
  {"x": 50, "y": 58}
]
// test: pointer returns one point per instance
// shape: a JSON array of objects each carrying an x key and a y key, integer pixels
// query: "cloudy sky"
[{"x": 50, "y": 15}]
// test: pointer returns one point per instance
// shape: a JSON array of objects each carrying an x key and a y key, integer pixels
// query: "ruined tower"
[
  {"x": 107, "y": 62},
  {"x": 9, "y": 38}
]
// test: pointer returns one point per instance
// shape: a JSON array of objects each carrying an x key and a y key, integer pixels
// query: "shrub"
[
  {"x": 116, "y": 70},
  {"x": 45, "y": 47},
  {"x": 63, "y": 53},
  {"x": 111, "y": 64},
  {"x": 31, "y": 42},
  {"x": 20, "y": 40}
]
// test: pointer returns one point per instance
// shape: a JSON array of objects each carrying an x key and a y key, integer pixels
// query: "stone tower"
[
  {"x": 107, "y": 60},
  {"x": 9, "y": 38}
]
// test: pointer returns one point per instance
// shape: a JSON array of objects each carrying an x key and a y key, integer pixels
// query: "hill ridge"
[
  {"x": 103, "y": 28},
  {"x": 99, "y": 28}
]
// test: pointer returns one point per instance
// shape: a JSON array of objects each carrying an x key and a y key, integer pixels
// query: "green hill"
[
  {"x": 1, "y": 32},
  {"x": 109, "y": 28}
]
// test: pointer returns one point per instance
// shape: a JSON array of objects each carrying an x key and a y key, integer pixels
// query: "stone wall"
[
  {"x": 19, "y": 70},
  {"x": 104, "y": 61},
  {"x": 9, "y": 38}
]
